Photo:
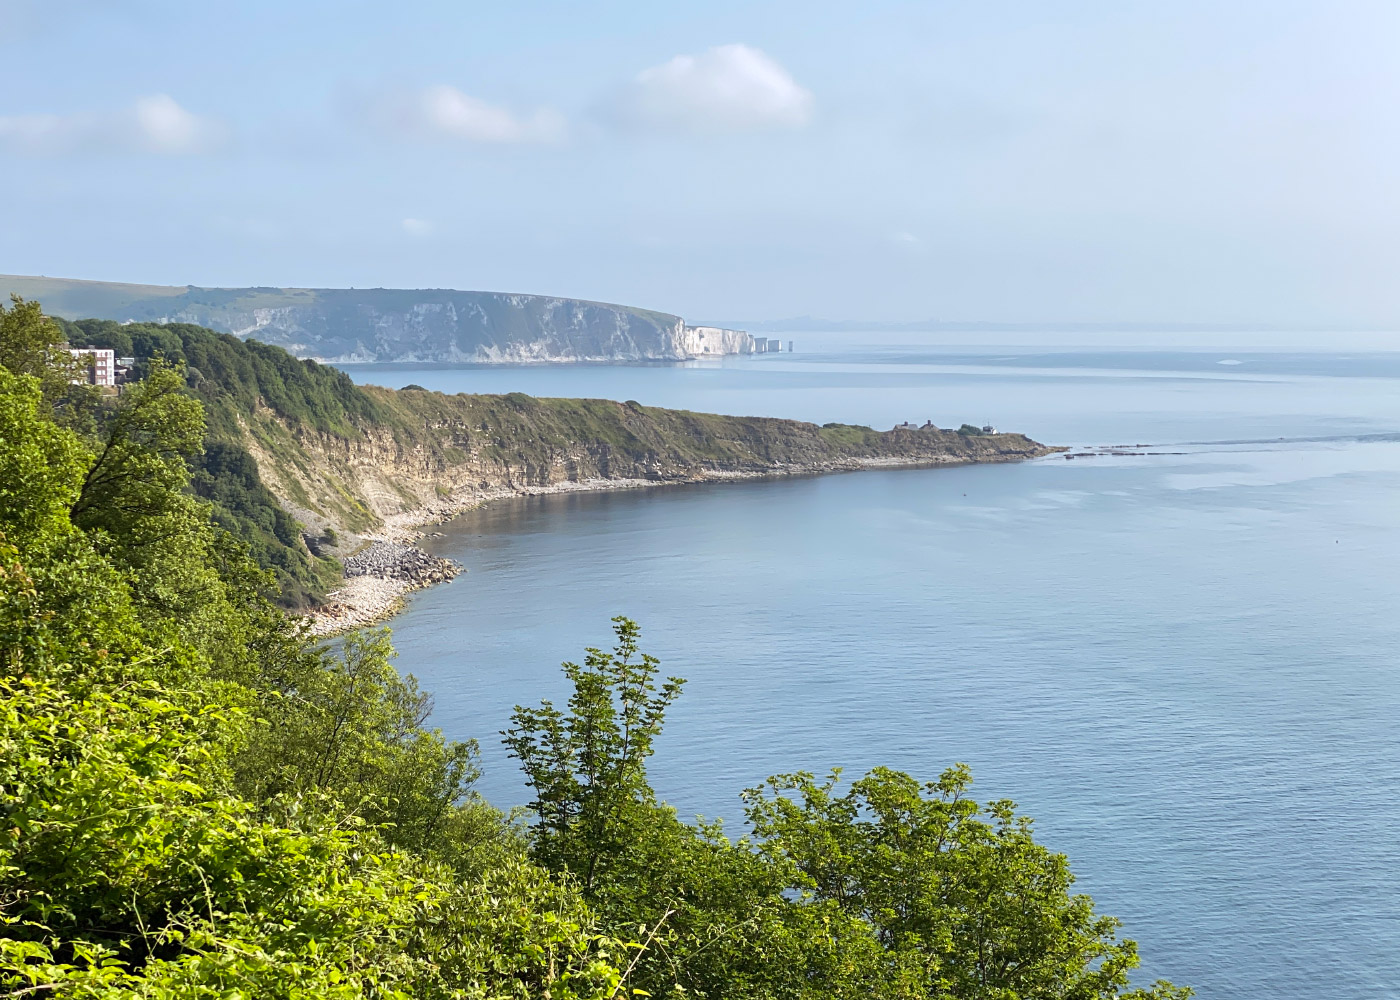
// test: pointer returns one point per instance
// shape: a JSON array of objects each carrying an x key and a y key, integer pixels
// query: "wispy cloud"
[
  {"x": 416, "y": 227},
  {"x": 727, "y": 88},
  {"x": 444, "y": 112},
  {"x": 908, "y": 242},
  {"x": 154, "y": 124}
]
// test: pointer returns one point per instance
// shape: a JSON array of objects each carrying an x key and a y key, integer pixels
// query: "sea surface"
[{"x": 1185, "y": 663}]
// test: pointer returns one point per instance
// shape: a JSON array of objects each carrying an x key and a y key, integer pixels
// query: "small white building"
[{"x": 101, "y": 364}]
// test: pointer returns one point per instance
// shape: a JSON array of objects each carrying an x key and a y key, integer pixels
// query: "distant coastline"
[{"x": 404, "y": 325}]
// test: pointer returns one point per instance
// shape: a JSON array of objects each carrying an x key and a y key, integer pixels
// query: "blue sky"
[{"x": 1105, "y": 161}]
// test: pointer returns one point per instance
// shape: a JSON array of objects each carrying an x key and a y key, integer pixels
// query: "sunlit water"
[{"x": 1183, "y": 664}]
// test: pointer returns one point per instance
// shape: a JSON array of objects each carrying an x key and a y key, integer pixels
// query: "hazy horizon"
[{"x": 1181, "y": 165}]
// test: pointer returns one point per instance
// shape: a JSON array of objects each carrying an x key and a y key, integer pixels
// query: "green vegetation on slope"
[
  {"x": 234, "y": 379},
  {"x": 196, "y": 802},
  {"x": 529, "y": 434}
]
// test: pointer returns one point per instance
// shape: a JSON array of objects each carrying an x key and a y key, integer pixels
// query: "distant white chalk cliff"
[{"x": 410, "y": 325}]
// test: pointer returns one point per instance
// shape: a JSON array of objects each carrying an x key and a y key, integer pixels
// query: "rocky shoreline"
[
  {"x": 377, "y": 578},
  {"x": 382, "y": 573},
  {"x": 397, "y": 561}
]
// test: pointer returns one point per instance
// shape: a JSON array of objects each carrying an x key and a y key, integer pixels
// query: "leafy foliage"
[
  {"x": 235, "y": 379},
  {"x": 41, "y": 464},
  {"x": 354, "y": 727},
  {"x": 895, "y": 889},
  {"x": 142, "y": 851},
  {"x": 125, "y": 870},
  {"x": 588, "y": 767},
  {"x": 973, "y": 904},
  {"x": 33, "y": 344}
]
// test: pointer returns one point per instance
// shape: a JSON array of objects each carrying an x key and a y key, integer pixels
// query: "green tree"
[
  {"x": 139, "y": 468},
  {"x": 961, "y": 893},
  {"x": 712, "y": 912},
  {"x": 41, "y": 464},
  {"x": 129, "y": 864},
  {"x": 60, "y": 590},
  {"x": 126, "y": 869},
  {"x": 350, "y": 727},
  {"x": 136, "y": 506},
  {"x": 32, "y": 344},
  {"x": 587, "y": 766}
]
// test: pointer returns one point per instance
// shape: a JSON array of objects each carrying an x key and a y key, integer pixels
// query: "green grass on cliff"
[{"x": 522, "y": 430}]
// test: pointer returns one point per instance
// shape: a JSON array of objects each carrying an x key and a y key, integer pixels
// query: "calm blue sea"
[{"x": 1185, "y": 665}]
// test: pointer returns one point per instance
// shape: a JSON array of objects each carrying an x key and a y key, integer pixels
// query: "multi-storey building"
[{"x": 101, "y": 364}]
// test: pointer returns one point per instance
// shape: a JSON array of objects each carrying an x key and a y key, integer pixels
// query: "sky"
[{"x": 1068, "y": 162}]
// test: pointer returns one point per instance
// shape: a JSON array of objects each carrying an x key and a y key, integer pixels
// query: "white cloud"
[
  {"x": 908, "y": 242},
  {"x": 154, "y": 124},
  {"x": 441, "y": 111},
  {"x": 162, "y": 126},
  {"x": 727, "y": 88},
  {"x": 417, "y": 227}
]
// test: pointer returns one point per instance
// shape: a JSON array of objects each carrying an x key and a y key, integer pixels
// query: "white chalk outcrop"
[{"x": 713, "y": 341}]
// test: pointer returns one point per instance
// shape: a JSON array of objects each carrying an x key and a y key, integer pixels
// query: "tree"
[
  {"x": 130, "y": 865},
  {"x": 128, "y": 870},
  {"x": 41, "y": 464},
  {"x": 961, "y": 893},
  {"x": 136, "y": 505},
  {"x": 59, "y": 590},
  {"x": 893, "y": 889},
  {"x": 140, "y": 461},
  {"x": 352, "y": 729},
  {"x": 587, "y": 767},
  {"x": 712, "y": 912},
  {"x": 32, "y": 344}
]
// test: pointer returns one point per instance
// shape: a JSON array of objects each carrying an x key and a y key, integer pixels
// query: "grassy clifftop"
[
  {"x": 530, "y": 440},
  {"x": 298, "y": 452}
]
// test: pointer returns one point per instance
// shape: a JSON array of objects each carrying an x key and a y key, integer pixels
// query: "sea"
[{"x": 1182, "y": 659}]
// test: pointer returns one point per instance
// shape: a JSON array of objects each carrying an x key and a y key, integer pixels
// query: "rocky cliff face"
[
  {"x": 711, "y": 341},
  {"x": 446, "y": 326},
  {"x": 385, "y": 324}
]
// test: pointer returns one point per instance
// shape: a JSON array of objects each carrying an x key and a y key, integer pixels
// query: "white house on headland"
[{"x": 101, "y": 364}]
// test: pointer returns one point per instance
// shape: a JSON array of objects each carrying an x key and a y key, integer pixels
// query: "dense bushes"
[
  {"x": 193, "y": 802},
  {"x": 244, "y": 374},
  {"x": 233, "y": 379}
]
